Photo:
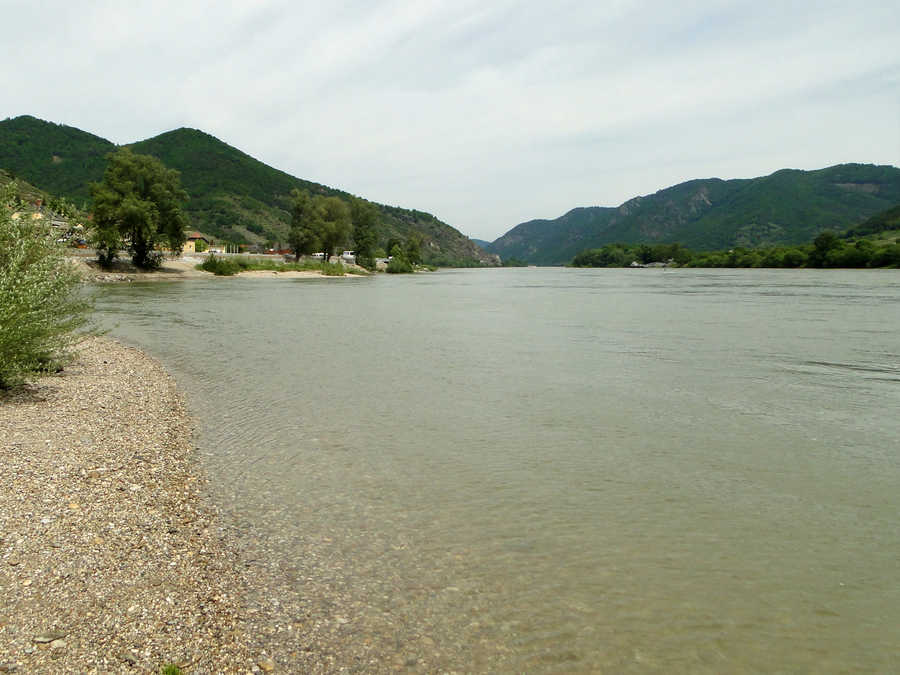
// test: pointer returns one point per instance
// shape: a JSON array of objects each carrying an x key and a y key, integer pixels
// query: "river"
[{"x": 560, "y": 470}]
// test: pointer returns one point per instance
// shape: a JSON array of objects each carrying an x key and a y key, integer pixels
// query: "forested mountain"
[
  {"x": 882, "y": 223},
  {"x": 786, "y": 207},
  {"x": 233, "y": 196},
  {"x": 54, "y": 157}
]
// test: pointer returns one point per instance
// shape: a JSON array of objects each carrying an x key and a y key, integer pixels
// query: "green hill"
[
  {"x": 54, "y": 157},
  {"x": 883, "y": 225},
  {"x": 787, "y": 207},
  {"x": 233, "y": 196},
  {"x": 24, "y": 191}
]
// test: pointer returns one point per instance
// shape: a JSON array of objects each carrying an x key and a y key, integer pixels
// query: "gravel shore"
[
  {"x": 112, "y": 558},
  {"x": 185, "y": 270}
]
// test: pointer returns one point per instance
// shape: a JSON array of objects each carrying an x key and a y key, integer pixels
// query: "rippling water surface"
[{"x": 554, "y": 470}]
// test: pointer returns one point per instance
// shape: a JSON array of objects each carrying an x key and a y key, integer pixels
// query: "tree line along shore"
[
  {"x": 827, "y": 251},
  {"x": 139, "y": 208}
]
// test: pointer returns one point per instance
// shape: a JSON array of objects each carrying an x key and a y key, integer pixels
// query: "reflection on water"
[{"x": 562, "y": 470}]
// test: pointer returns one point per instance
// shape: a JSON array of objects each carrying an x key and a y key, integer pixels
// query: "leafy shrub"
[
  {"x": 399, "y": 265},
  {"x": 236, "y": 264},
  {"x": 330, "y": 269},
  {"x": 154, "y": 260},
  {"x": 41, "y": 303},
  {"x": 888, "y": 256},
  {"x": 223, "y": 267}
]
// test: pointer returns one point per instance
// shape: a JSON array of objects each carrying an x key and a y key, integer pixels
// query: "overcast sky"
[{"x": 486, "y": 113}]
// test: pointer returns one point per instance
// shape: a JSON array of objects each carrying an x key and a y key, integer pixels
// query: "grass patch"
[{"x": 222, "y": 267}]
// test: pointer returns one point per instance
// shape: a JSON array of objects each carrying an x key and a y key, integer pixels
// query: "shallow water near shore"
[{"x": 555, "y": 470}]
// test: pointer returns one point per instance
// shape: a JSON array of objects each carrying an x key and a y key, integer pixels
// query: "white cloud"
[{"x": 485, "y": 114}]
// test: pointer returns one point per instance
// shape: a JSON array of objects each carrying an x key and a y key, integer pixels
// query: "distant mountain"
[
  {"x": 54, "y": 157},
  {"x": 480, "y": 242},
  {"x": 233, "y": 196},
  {"x": 787, "y": 207}
]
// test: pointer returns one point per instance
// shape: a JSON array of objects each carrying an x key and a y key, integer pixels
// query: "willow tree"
[
  {"x": 333, "y": 224},
  {"x": 303, "y": 237},
  {"x": 365, "y": 219},
  {"x": 138, "y": 205},
  {"x": 319, "y": 221}
]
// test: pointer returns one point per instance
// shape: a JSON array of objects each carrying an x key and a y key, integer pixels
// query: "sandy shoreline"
[
  {"x": 112, "y": 557},
  {"x": 178, "y": 270}
]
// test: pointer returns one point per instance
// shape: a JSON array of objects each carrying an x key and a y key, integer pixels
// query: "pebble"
[
  {"x": 48, "y": 637},
  {"x": 266, "y": 664},
  {"x": 128, "y": 658}
]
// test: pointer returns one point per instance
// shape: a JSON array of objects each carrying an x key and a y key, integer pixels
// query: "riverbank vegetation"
[
  {"x": 828, "y": 250},
  {"x": 318, "y": 223},
  {"x": 222, "y": 266},
  {"x": 138, "y": 205},
  {"x": 42, "y": 306}
]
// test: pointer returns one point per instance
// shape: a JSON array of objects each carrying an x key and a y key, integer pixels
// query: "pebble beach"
[{"x": 112, "y": 555}]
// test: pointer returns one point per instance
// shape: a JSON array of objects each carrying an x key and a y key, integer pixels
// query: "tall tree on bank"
[
  {"x": 333, "y": 223},
  {"x": 414, "y": 248},
  {"x": 303, "y": 237},
  {"x": 139, "y": 203},
  {"x": 365, "y": 217}
]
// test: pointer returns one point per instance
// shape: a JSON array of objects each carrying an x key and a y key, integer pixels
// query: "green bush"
[
  {"x": 42, "y": 306},
  {"x": 399, "y": 266},
  {"x": 223, "y": 267},
  {"x": 330, "y": 269},
  {"x": 236, "y": 264}
]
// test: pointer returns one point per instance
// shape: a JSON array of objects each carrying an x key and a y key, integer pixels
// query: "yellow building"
[{"x": 190, "y": 244}]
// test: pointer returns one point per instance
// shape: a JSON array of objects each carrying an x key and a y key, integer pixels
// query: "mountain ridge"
[
  {"x": 234, "y": 196},
  {"x": 789, "y": 206}
]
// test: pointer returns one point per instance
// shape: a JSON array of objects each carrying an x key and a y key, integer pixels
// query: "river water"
[{"x": 559, "y": 470}]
